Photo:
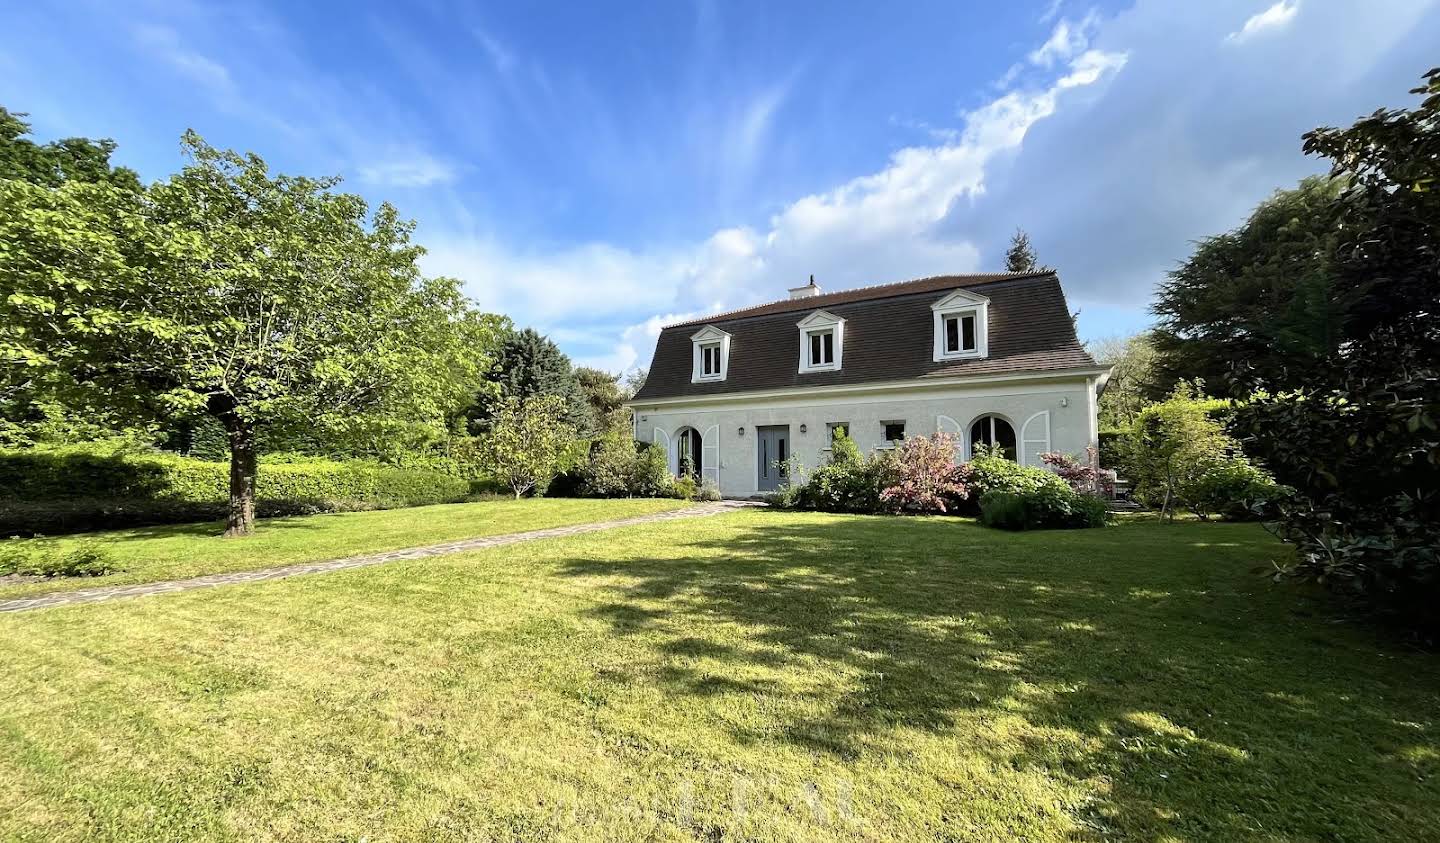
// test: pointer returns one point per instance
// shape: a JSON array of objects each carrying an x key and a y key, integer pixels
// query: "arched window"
[
  {"x": 687, "y": 458},
  {"x": 993, "y": 431}
]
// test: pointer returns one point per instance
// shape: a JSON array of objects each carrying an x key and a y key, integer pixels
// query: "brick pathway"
[{"x": 117, "y": 592}]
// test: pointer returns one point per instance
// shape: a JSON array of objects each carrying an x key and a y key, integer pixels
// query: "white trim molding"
[
  {"x": 945, "y": 424},
  {"x": 709, "y": 337},
  {"x": 960, "y": 304},
  {"x": 820, "y": 323}
]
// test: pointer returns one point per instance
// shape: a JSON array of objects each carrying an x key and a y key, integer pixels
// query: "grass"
[
  {"x": 150, "y": 554},
  {"x": 756, "y": 675}
]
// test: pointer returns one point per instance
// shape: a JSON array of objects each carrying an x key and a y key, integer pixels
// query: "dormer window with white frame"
[
  {"x": 710, "y": 356},
  {"x": 961, "y": 326},
  {"x": 822, "y": 342}
]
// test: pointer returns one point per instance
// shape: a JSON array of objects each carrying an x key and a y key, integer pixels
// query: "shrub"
[
  {"x": 87, "y": 559},
  {"x": 649, "y": 473},
  {"x": 850, "y": 482},
  {"x": 1112, "y": 447},
  {"x": 528, "y": 443},
  {"x": 1172, "y": 445},
  {"x": 925, "y": 475},
  {"x": 685, "y": 488},
  {"x": 1233, "y": 489},
  {"x": 990, "y": 472},
  {"x": 1046, "y": 507},
  {"x": 80, "y": 488},
  {"x": 709, "y": 491},
  {"x": 1082, "y": 475}
]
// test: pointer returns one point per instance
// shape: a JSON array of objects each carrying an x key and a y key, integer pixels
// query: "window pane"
[
  {"x": 952, "y": 334},
  {"x": 968, "y": 323},
  {"x": 894, "y": 431},
  {"x": 829, "y": 348},
  {"x": 1005, "y": 437}
]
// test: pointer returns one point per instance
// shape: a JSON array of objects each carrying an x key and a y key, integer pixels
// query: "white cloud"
[
  {"x": 1065, "y": 41},
  {"x": 879, "y": 227},
  {"x": 165, "y": 44},
  {"x": 1277, "y": 16},
  {"x": 408, "y": 170}
]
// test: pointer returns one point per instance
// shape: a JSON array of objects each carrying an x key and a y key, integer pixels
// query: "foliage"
[
  {"x": 54, "y": 163},
  {"x": 605, "y": 398},
  {"x": 70, "y": 488},
  {"x": 650, "y": 473},
  {"x": 1112, "y": 447},
  {"x": 1262, "y": 301},
  {"x": 1043, "y": 508},
  {"x": 685, "y": 488},
  {"x": 1020, "y": 256},
  {"x": 1357, "y": 439},
  {"x": 529, "y": 442},
  {"x": 1133, "y": 378},
  {"x": 708, "y": 491},
  {"x": 925, "y": 475},
  {"x": 1171, "y": 445},
  {"x": 1082, "y": 475},
  {"x": 1233, "y": 489},
  {"x": 265, "y": 301},
  {"x": 989, "y": 471},
  {"x": 84, "y": 559},
  {"x": 849, "y": 482},
  {"x": 528, "y": 364}
]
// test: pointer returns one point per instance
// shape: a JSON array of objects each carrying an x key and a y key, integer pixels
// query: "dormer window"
[
  {"x": 822, "y": 337},
  {"x": 961, "y": 326},
  {"x": 710, "y": 355}
]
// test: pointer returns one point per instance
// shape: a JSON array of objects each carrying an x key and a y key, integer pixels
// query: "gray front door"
[{"x": 772, "y": 447}]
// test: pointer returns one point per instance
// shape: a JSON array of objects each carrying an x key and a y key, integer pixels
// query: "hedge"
[{"x": 79, "y": 488}]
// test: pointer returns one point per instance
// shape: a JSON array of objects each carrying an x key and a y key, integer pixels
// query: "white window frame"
[
  {"x": 821, "y": 322},
  {"x": 957, "y": 305},
  {"x": 709, "y": 336}
]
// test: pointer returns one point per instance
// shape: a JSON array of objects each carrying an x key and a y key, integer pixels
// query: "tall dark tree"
[
  {"x": 1020, "y": 257},
  {"x": 604, "y": 395},
  {"x": 54, "y": 163},
  {"x": 528, "y": 363},
  {"x": 1261, "y": 303}
]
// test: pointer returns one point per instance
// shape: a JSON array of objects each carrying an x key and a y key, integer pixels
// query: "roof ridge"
[{"x": 989, "y": 277}]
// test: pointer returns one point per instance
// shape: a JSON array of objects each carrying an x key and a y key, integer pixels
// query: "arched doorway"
[
  {"x": 688, "y": 459},
  {"x": 993, "y": 431}
]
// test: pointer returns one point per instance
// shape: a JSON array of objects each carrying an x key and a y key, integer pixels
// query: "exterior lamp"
[
  {"x": 741, "y": 432},
  {"x": 802, "y": 428}
]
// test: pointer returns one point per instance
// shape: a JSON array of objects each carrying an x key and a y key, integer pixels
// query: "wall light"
[
  {"x": 802, "y": 428},
  {"x": 1064, "y": 402},
  {"x": 740, "y": 432}
]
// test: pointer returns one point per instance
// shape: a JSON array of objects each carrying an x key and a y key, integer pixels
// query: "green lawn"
[
  {"x": 756, "y": 675},
  {"x": 149, "y": 554}
]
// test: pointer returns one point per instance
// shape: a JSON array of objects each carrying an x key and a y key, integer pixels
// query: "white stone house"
[{"x": 990, "y": 358}]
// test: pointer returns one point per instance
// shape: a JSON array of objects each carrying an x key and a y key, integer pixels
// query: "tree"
[
  {"x": 528, "y": 442},
  {"x": 527, "y": 364},
  {"x": 264, "y": 301},
  {"x": 1020, "y": 257},
  {"x": 1358, "y": 437},
  {"x": 1132, "y": 377},
  {"x": 1172, "y": 445},
  {"x": 1261, "y": 303},
  {"x": 605, "y": 398},
  {"x": 54, "y": 163}
]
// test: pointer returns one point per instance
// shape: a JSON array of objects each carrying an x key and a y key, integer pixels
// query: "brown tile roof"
[{"x": 888, "y": 336}]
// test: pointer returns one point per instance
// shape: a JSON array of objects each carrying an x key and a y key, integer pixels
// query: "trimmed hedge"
[
  {"x": 78, "y": 488},
  {"x": 1044, "y": 508}
]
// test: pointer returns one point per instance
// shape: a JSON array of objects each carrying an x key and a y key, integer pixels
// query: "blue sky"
[{"x": 598, "y": 170}]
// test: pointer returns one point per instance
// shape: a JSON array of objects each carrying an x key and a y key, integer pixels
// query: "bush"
[
  {"x": 1173, "y": 444},
  {"x": 82, "y": 488},
  {"x": 990, "y": 472},
  {"x": 850, "y": 482},
  {"x": 1112, "y": 447},
  {"x": 925, "y": 476},
  {"x": 649, "y": 473},
  {"x": 87, "y": 559},
  {"x": 1047, "y": 507},
  {"x": 1233, "y": 489},
  {"x": 685, "y": 488},
  {"x": 709, "y": 491}
]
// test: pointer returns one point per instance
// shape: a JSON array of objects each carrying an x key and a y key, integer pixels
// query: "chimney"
[{"x": 808, "y": 291}]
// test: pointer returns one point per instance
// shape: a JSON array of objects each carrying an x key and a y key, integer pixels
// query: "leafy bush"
[
  {"x": 990, "y": 472},
  {"x": 649, "y": 475},
  {"x": 849, "y": 482},
  {"x": 924, "y": 475},
  {"x": 709, "y": 491},
  {"x": 87, "y": 559},
  {"x": 1173, "y": 444},
  {"x": 1233, "y": 489},
  {"x": 685, "y": 488},
  {"x": 78, "y": 487},
  {"x": 1082, "y": 475},
  {"x": 1046, "y": 507}
]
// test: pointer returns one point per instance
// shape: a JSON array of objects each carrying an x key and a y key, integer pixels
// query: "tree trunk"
[{"x": 241, "y": 521}]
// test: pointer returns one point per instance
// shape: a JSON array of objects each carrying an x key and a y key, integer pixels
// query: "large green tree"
[
  {"x": 1020, "y": 256},
  {"x": 526, "y": 364},
  {"x": 261, "y": 300},
  {"x": 1132, "y": 377},
  {"x": 56, "y": 162},
  {"x": 1259, "y": 303}
]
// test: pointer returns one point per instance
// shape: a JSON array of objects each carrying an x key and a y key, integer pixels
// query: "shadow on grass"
[{"x": 1147, "y": 664}]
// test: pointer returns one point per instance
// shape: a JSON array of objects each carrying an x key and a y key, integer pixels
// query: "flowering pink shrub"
[
  {"x": 1083, "y": 477},
  {"x": 925, "y": 475}
]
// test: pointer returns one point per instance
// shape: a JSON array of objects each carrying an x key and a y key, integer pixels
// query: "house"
[{"x": 989, "y": 358}]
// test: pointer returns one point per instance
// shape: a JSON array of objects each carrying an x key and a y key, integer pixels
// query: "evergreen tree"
[
  {"x": 527, "y": 364},
  {"x": 1020, "y": 257}
]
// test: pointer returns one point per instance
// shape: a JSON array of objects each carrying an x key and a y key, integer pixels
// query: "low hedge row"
[{"x": 78, "y": 488}]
